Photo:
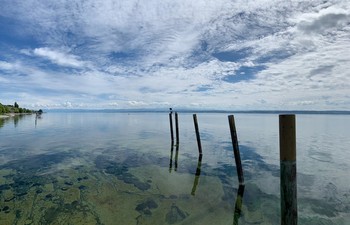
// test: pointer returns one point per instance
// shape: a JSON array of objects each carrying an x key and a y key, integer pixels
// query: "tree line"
[{"x": 14, "y": 109}]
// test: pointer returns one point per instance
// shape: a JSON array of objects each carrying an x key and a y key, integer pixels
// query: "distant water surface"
[{"x": 121, "y": 168}]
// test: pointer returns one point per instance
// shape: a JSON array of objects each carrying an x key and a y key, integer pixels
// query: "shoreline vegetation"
[{"x": 7, "y": 111}]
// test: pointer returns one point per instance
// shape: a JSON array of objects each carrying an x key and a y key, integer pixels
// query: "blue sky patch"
[
  {"x": 204, "y": 88},
  {"x": 233, "y": 56},
  {"x": 244, "y": 73}
]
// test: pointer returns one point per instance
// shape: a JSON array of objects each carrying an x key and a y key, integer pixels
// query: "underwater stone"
[
  {"x": 142, "y": 186},
  {"x": 140, "y": 207},
  {"x": 82, "y": 187},
  {"x": 146, "y": 206},
  {"x": 6, "y": 208},
  {"x": 151, "y": 204},
  {"x": 175, "y": 215},
  {"x": 22, "y": 194},
  {"x": 69, "y": 183},
  {"x": 4, "y": 187},
  {"x": 48, "y": 196}
]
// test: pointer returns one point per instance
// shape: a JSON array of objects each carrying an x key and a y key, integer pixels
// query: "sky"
[{"x": 196, "y": 54}]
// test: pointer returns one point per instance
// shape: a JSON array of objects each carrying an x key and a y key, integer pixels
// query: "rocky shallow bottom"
[{"x": 66, "y": 188}]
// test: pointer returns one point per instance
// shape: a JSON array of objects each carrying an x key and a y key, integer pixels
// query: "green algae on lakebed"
[{"x": 111, "y": 191}]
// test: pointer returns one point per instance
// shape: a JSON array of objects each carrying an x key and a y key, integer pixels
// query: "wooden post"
[
  {"x": 231, "y": 121},
  {"x": 171, "y": 126},
  {"x": 289, "y": 211},
  {"x": 197, "y": 134},
  {"x": 177, "y": 128}
]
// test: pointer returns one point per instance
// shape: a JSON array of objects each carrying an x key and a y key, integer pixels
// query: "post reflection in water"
[
  {"x": 37, "y": 116},
  {"x": 176, "y": 155},
  {"x": 171, "y": 156},
  {"x": 198, "y": 173},
  {"x": 238, "y": 204}
]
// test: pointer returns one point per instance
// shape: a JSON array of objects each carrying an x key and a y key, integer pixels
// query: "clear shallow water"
[{"x": 119, "y": 168}]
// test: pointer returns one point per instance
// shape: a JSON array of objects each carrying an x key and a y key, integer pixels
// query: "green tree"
[
  {"x": 2, "y": 109},
  {"x": 7, "y": 109},
  {"x": 16, "y": 105}
]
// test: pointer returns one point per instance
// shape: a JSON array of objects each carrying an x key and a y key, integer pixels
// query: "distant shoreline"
[
  {"x": 315, "y": 112},
  {"x": 8, "y": 115}
]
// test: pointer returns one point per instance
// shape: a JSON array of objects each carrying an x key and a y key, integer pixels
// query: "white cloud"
[
  {"x": 113, "y": 104},
  {"x": 137, "y": 103},
  {"x": 60, "y": 58},
  {"x": 6, "y": 66},
  {"x": 161, "y": 53}
]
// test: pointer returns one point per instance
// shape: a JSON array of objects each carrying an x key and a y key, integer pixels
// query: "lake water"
[{"x": 121, "y": 168}]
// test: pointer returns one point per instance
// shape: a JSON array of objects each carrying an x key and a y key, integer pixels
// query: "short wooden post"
[
  {"x": 231, "y": 121},
  {"x": 289, "y": 211},
  {"x": 177, "y": 128},
  {"x": 197, "y": 134},
  {"x": 171, "y": 126}
]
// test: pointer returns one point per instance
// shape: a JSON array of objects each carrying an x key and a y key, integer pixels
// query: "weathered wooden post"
[
  {"x": 177, "y": 128},
  {"x": 231, "y": 121},
  {"x": 288, "y": 170},
  {"x": 171, "y": 127},
  {"x": 197, "y": 134}
]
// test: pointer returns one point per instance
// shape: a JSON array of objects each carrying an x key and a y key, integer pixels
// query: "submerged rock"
[
  {"x": 149, "y": 204},
  {"x": 121, "y": 172},
  {"x": 175, "y": 215},
  {"x": 82, "y": 187}
]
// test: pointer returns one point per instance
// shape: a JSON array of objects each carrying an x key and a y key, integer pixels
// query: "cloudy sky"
[{"x": 222, "y": 54}]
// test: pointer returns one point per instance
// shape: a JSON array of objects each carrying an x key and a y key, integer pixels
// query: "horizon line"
[{"x": 182, "y": 110}]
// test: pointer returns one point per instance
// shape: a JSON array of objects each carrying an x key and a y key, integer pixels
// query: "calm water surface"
[{"x": 120, "y": 168}]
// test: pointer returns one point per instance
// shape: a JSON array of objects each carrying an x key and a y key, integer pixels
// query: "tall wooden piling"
[
  {"x": 171, "y": 126},
  {"x": 177, "y": 128},
  {"x": 288, "y": 172},
  {"x": 231, "y": 121},
  {"x": 197, "y": 134}
]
